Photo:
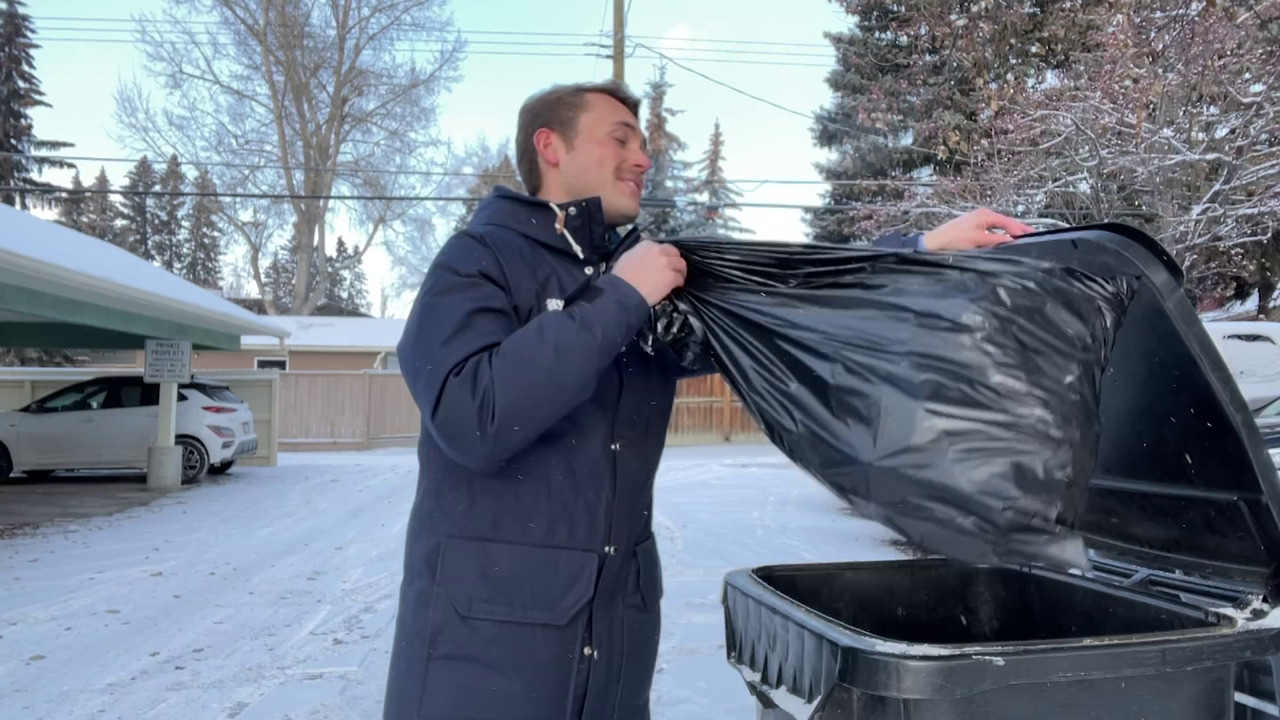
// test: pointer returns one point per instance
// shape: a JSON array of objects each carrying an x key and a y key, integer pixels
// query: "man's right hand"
[{"x": 654, "y": 269}]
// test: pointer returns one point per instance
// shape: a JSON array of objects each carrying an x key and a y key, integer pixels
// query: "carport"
[{"x": 66, "y": 290}]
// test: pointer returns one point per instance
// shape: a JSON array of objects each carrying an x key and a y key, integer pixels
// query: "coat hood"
[{"x": 577, "y": 227}]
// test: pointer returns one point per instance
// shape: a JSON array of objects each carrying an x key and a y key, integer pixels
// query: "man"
[{"x": 531, "y": 579}]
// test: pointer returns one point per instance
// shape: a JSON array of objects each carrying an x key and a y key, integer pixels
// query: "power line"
[
  {"x": 825, "y": 46},
  {"x": 226, "y": 34},
  {"x": 526, "y": 53},
  {"x": 501, "y": 53},
  {"x": 252, "y": 166},
  {"x": 807, "y": 116},
  {"x": 124, "y": 192},
  {"x": 648, "y": 202},
  {"x": 217, "y": 31},
  {"x": 867, "y": 182},
  {"x": 182, "y": 23},
  {"x": 110, "y": 41},
  {"x": 729, "y": 61}
]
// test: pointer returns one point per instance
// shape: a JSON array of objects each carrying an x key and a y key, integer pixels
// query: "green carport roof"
[{"x": 63, "y": 289}]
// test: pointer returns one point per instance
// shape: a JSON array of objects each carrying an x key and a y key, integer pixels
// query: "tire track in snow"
[{"x": 272, "y": 578}]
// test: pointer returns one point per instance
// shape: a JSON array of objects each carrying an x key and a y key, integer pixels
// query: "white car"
[{"x": 108, "y": 423}]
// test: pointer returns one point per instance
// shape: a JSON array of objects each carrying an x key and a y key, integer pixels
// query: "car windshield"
[
  {"x": 1270, "y": 410},
  {"x": 220, "y": 394},
  {"x": 88, "y": 396}
]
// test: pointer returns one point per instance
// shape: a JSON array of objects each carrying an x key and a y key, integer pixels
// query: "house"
[{"x": 316, "y": 343}]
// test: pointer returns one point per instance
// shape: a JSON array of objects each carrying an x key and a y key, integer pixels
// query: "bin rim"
[
  {"x": 1223, "y": 620},
  {"x": 793, "y": 648}
]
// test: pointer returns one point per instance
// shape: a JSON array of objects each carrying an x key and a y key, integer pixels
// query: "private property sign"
[{"x": 168, "y": 361}]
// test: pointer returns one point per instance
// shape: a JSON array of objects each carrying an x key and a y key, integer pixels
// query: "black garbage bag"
[{"x": 953, "y": 398}]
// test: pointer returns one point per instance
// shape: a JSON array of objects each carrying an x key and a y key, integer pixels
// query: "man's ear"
[{"x": 550, "y": 146}]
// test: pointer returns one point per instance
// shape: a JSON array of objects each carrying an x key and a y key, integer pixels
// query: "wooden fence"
[
  {"x": 707, "y": 411},
  {"x": 373, "y": 409}
]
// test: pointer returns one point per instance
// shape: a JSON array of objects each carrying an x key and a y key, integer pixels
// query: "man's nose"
[{"x": 642, "y": 161}]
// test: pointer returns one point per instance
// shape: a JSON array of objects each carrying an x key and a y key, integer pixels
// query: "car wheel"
[
  {"x": 6, "y": 463},
  {"x": 221, "y": 468},
  {"x": 195, "y": 461}
]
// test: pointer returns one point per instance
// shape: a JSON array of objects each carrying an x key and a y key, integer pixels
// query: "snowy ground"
[{"x": 270, "y": 594}]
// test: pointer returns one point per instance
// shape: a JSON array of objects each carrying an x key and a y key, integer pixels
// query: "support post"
[
  {"x": 168, "y": 414},
  {"x": 168, "y": 362},
  {"x": 619, "y": 50},
  {"x": 164, "y": 459}
]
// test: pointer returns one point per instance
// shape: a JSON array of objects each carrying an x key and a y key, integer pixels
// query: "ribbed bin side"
[{"x": 785, "y": 654}]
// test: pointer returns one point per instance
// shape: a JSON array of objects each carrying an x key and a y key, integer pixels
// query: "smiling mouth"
[{"x": 635, "y": 186}]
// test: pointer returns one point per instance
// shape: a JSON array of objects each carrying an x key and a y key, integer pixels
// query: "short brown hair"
[{"x": 558, "y": 108}]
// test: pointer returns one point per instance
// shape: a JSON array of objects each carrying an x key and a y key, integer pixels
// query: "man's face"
[{"x": 608, "y": 159}]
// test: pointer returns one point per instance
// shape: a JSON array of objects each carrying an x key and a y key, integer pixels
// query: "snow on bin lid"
[{"x": 1183, "y": 481}]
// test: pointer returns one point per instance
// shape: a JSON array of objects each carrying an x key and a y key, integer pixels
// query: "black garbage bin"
[{"x": 1172, "y": 620}]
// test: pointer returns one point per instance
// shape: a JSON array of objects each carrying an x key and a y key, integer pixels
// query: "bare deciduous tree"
[
  {"x": 473, "y": 172},
  {"x": 300, "y": 100}
]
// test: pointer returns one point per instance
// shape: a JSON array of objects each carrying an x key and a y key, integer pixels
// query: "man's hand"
[
  {"x": 974, "y": 230},
  {"x": 654, "y": 269}
]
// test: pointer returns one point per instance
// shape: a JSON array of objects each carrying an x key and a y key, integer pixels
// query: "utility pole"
[{"x": 618, "y": 22}]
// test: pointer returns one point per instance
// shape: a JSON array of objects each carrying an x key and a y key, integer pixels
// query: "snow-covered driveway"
[{"x": 271, "y": 594}]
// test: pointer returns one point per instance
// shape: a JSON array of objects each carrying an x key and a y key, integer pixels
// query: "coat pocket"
[
  {"x": 508, "y": 630},
  {"x": 649, "y": 569},
  {"x": 642, "y": 632}
]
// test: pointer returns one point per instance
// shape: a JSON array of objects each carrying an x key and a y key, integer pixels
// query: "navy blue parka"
[{"x": 531, "y": 578}]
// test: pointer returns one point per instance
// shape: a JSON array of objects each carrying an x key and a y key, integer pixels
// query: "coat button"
[
  {"x": 588, "y": 651},
  {"x": 588, "y": 269},
  {"x": 610, "y": 549},
  {"x": 573, "y": 210},
  {"x": 616, "y": 447}
]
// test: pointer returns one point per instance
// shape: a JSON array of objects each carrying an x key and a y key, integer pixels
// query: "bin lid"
[{"x": 1183, "y": 480}]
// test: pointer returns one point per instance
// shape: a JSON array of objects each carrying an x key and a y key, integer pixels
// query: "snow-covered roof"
[
  {"x": 53, "y": 259},
  {"x": 324, "y": 333},
  {"x": 1252, "y": 351}
]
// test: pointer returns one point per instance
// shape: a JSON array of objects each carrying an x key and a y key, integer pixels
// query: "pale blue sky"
[{"x": 79, "y": 79}]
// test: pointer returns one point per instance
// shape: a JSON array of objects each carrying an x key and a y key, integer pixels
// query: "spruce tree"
[
  {"x": 101, "y": 216},
  {"x": 19, "y": 93},
  {"x": 348, "y": 287},
  {"x": 204, "y": 236},
  {"x": 915, "y": 88},
  {"x": 502, "y": 172},
  {"x": 74, "y": 206},
  {"x": 336, "y": 292},
  {"x": 279, "y": 278},
  {"x": 168, "y": 235},
  {"x": 281, "y": 275},
  {"x": 357, "y": 297},
  {"x": 668, "y": 178},
  {"x": 140, "y": 208},
  {"x": 715, "y": 196}
]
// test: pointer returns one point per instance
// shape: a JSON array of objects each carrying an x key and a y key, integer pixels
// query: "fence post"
[
  {"x": 369, "y": 409},
  {"x": 727, "y": 413},
  {"x": 277, "y": 387}
]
